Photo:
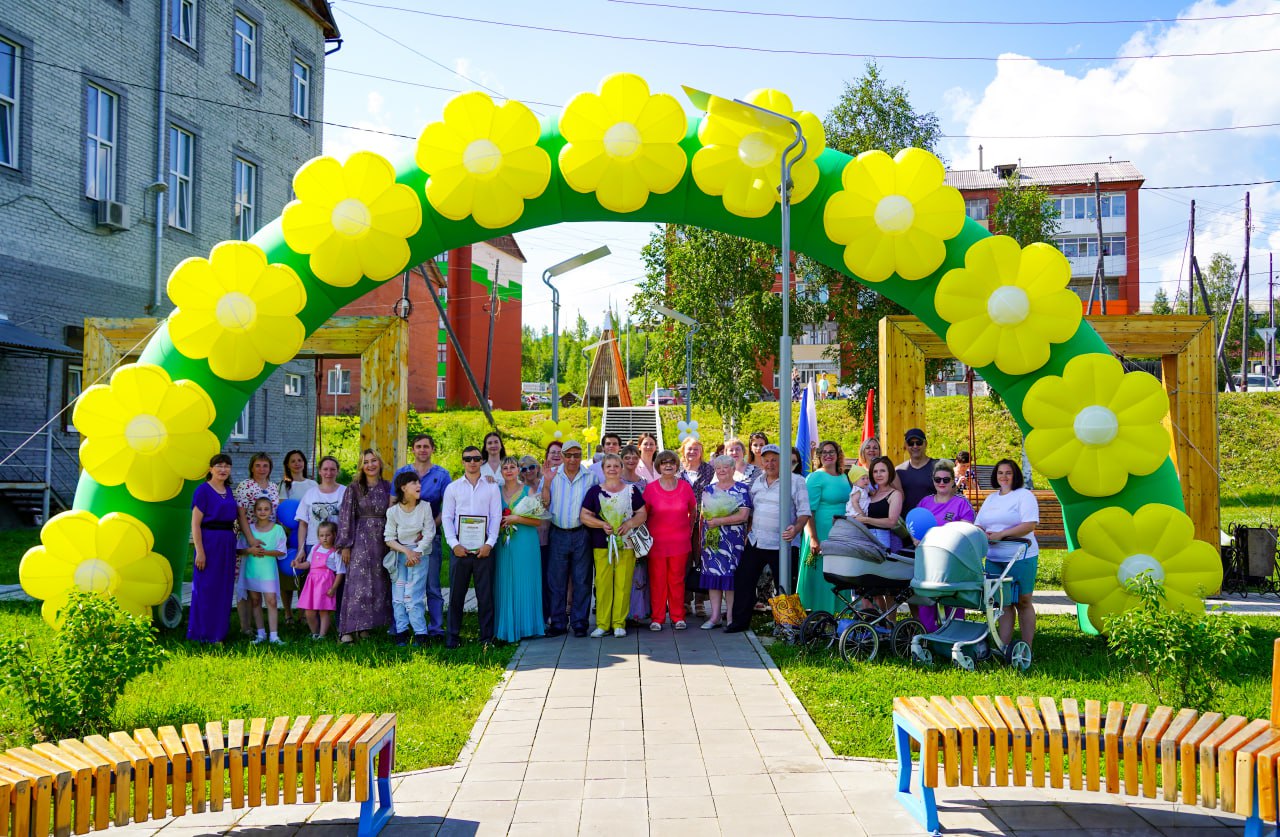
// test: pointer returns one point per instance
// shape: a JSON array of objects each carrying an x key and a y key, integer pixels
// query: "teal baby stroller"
[{"x": 949, "y": 573}]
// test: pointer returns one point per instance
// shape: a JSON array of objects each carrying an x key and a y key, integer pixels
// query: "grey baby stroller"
[
  {"x": 872, "y": 583},
  {"x": 949, "y": 573}
]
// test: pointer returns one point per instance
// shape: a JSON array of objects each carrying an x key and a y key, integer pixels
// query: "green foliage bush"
[
  {"x": 72, "y": 690},
  {"x": 1182, "y": 655}
]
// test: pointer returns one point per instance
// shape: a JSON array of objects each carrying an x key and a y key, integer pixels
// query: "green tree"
[
  {"x": 725, "y": 283},
  {"x": 1024, "y": 212},
  {"x": 1220, "y": 281},
  {"x": 870, "y": 114},
  {"x": 1160, "y": 305}
]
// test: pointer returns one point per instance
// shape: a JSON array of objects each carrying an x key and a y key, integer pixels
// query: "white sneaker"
[
  {"x": 655, "y": 626},
  {"x": 597, "y": 633},
  {"x": 680, "y": 626},
  {"x": 619, "y": 632},
  {"x": 258, "y": 640},
  {"x": 275, "y": 640}
]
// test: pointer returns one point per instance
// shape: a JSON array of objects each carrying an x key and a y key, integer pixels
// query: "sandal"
[{"x": 347, "y": 639}]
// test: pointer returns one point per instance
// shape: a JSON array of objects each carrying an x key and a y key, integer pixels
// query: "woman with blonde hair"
[{"x": 362, "y": 521}]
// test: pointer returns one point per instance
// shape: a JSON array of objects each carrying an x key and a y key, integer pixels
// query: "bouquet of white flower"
[
  {"x": 615, "y": 510},
  {"x": 529, "y": 506},
  {"x": 719, "y": 504}
]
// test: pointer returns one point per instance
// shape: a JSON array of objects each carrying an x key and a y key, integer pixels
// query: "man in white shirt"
[
  {"x": 569, "y": 552},
  {"x": 609, "y": 443},
  {"x": 762, "y": 541},
  {"x": 471, "y": 496}
]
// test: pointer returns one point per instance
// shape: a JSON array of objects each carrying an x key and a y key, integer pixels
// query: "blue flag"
[{"x": 806, "y": 427}]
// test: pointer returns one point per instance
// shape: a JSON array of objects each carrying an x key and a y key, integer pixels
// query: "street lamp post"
[
  {"x": 337, "y": 367},
  {"x": 688, "y": 355},
  {"x": 771, "y": 121},
  {"x": 555, "y": 270}
]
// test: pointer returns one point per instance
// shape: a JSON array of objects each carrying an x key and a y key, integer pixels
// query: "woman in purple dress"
[
  {"x": 366, "y": 593},
  {"x": 213, "y": 518}
]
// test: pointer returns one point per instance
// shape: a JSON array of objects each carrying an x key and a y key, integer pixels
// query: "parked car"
[
  {"x": 1257, "y": 383},
  {"x": 664, "y": 398}
]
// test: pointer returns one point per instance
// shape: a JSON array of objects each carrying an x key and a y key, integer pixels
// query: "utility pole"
[
  {"x": 493, "y": 312},
  {"x": 1191, "y": 266},
  {"x": 1100, "y": 273},
  {"x": 457, "y": 346},
  {"x": 1271, "y": 313},
  {"x": 1244, "y": 275}
]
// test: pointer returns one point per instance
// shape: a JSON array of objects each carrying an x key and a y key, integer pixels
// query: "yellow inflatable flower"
[
  {"x": 353, "y": 219},
  {"x": 894, "y": 214},
  {"x": 236, "y": 310},
  {"x": 1096, "y": 425},
  {"x": 1116, "y": 546},
  {"x": 742, "y": 160},
  {"x": 623, "y": 143},
  {"x": 111, "y": 556},
  {"x": 554, "y": 432},
  {"x": 484, "y": 160},
  {"x": 1008, "y": 304},
  {"x": 146, "y": 431}
]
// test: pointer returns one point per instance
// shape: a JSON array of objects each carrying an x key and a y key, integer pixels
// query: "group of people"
[{"x": 653, "y": 534}]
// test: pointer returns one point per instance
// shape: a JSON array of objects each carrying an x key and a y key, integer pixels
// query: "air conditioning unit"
[{"x": 113, "y": 215}]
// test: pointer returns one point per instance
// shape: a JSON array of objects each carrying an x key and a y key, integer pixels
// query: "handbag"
[
  {"x": 787, "y": 609},
  {"x": 639, "y": 540},
  {"x": 390, "y": 561}
]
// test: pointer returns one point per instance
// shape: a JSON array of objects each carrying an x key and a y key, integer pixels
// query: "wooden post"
[
  {"x": 384, "y": 394},
  {"x": 1193, "y": 424},
  {"x": 901, "y": 387},
  {"x": 1275, "y": 685}
]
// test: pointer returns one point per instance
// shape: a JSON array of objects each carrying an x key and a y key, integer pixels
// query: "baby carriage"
[
  {"x": 873, "y": 583},
  {"x": 949, "y": 574}
]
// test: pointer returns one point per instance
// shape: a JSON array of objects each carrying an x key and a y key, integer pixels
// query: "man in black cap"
[{"x": 916, "y": 474}]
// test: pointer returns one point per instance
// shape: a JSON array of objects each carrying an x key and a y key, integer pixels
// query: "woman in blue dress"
[
  {"x": 517, "y": 571},
  {"x": 726, "y": 506}
]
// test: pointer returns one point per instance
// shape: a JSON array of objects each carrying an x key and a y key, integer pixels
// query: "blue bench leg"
[
  {"x": 912, "y": 794},
  {"x": 372, "y": 820}
]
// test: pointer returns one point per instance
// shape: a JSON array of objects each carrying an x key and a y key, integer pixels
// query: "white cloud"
[{"x": 1030, "y": 98}]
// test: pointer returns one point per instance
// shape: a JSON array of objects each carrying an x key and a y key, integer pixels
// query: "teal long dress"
[
  {"x": 827, "y": 497},
  {"x": 517, "y": 582}
]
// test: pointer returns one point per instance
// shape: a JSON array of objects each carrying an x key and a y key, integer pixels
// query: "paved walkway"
[{"x": 684, "y": 734}]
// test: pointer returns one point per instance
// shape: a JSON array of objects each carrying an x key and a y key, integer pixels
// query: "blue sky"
[{"x": 511, "y": 48}]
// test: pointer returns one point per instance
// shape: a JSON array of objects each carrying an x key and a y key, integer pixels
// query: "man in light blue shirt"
[
  {"x": 563, "y": 491},
  {"x": 434, "y": 479},
  {"x": 471, "y": 495}
]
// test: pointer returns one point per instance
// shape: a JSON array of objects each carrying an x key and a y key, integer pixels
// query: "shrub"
[
  {"x": 1181, "y": 654},
  {"x": 72, "y": 689}
]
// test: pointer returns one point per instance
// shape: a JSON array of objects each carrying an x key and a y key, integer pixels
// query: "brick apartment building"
[{"x": 465, "y": 280}]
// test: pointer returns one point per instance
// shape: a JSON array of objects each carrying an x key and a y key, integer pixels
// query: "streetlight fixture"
[
  {"x": 555, "y": 270},
  {"x": 772, "y": 122},
  {"x": 688, "y": 355}
]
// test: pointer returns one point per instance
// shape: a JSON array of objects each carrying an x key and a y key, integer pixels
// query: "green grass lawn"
[
  {"x": 852, "y": 704},
  {"x": 13, "y": 544},
  {"x": 438, "y": 694}
]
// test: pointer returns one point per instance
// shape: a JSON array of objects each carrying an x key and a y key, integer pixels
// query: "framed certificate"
[{"x": 473, "y": 531}]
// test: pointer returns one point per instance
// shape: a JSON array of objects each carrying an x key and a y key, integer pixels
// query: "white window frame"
[
  {"x": 440, "y": 392},
  {"x": 10, "y": 108},
  {"x": 182, "y": 21},
  {"x": 977, "y": 208},
  {"x": 339, "y": 382},
  {"x": 1110, "y": 241},
  {"x": 300, "y": 87},
  {"x": 244, "y": 209},
  {"x": 240, "y": 430},
  {"x": 292, "y": 384},
  {"x": 100, "y": 143},
  {"x": 245, "y": 49},
  {"x": 182, "y": 175},
  {"x": 73, "y": 384}
]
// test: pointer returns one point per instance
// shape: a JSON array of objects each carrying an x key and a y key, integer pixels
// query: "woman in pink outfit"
[{"x": 672, "y": 511}]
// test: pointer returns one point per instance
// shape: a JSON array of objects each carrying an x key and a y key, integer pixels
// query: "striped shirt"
[
  {"x": 767, "y": 499},
  {"x": 567, "y": 496}
]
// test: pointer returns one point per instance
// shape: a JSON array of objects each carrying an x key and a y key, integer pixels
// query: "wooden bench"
[
  {"x": 77, "y": 785},
  {"x": 1228, "y": 763}
]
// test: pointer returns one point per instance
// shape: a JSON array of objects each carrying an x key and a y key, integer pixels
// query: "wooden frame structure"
[
  {"x": 1184, "y": 344},
  {"x": 381, "y": 343}
]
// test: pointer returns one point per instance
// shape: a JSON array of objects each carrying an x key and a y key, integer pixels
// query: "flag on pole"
[
  {"x": 807, "y": 427},
  {"x": 869, "y": 421}
]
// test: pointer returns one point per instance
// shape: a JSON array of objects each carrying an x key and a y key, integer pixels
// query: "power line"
[
  {"x": 939, "y": 22},
  {"x": 432, "y": 86},
  {"x": 811, "y": 52},
  {"x": 1117, "y": 133},
  {"x": 1212, "y": 185}
]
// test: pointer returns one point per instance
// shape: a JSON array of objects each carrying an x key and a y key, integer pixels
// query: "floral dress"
[{"x": 720, "y": 559}]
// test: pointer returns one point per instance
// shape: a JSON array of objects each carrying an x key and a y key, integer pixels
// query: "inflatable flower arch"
[{"x": 620, "y": 151}]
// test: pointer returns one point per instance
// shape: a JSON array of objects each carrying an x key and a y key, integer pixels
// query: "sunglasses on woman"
[
  {"x": 941, "y": 480},
  {"x": 524, "y": 469}
]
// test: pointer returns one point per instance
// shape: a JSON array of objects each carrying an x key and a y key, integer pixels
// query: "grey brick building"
[{"x": 116, "y": 115}]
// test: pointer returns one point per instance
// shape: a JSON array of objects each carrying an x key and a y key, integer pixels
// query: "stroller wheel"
[
  {"x": 962, "y": 660},
  {"x": 859, "y": 643},
  {"x": 903, "y": 632},
  {"x": 1018, "y": 656},
  {"x": 922, "y": 655},
  {"x": 818, "y": 630}
]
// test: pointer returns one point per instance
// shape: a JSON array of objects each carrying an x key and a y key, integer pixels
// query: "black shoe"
[
  {"x": 552, "y": 632},
  {"x": 421, "y": 640},
  {"x": 452, "y": 643},
  {"x": 580, "y": 632},
  {"x": 402, "y": 640},
  {"x": 734, "y": 630}
]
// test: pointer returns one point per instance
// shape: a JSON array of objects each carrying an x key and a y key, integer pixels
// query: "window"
[
  {"x": 241, "y": 428},
  {"x": 182, "y": 167},
  {"x": 9, "y": 56},
  {"x": 442, "y": 352},
  {"x": 246, "y": 49},
  {"x": 301, "y": 97},
  {"x": 246, "y": 198},
  {"x": 72, "y": 386},
  {"x": 1082, "y": 206},
  {"x": 1113, "y": 245},
  {"x": 440, "y": 389},
  {"x": 339, "y": 381},
  {"x": 182, "y": 21},
  {"x": 976, "y": 209},
  {"x": 1078, "y": 247},
  {"x": 292, "y": 384},
  {"x": 101, "y": 110}
]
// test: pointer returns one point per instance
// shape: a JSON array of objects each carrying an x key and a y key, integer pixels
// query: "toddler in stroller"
[
  {"x": 949, "y": 574},
  {"x": 872, "y": 583}
]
